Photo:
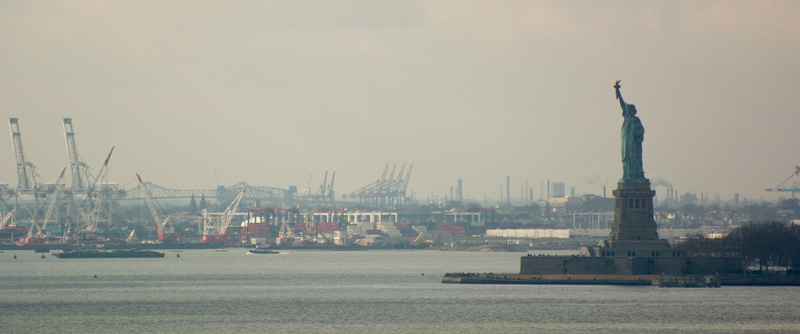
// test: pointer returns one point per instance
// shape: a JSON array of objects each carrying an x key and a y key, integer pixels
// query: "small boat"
[{"x": 262, "y": 250}]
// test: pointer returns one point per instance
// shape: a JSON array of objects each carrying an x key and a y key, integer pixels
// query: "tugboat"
[
  {"x": 86, "y": 254},
  {"x": 262, "y": 250}
]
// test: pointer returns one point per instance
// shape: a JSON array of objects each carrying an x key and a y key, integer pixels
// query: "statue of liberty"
[{"x": 632, "y": 138}]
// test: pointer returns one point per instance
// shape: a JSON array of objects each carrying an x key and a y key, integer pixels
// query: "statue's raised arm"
[{"x": 619, "y": 97}]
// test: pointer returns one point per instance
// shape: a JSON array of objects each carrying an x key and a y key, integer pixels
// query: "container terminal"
[{"x": 84, "y": 207}]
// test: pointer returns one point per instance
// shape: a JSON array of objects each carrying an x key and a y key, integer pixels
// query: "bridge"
[{"x": 273, "y": 196}]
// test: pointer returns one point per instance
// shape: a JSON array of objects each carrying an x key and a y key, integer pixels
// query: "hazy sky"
[{"x": 269, "y": 92}]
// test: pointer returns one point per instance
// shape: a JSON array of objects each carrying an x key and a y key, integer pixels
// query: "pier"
[{"x": 503, "y": 278}]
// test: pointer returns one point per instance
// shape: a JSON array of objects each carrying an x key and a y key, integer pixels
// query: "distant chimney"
[
  {"x": 508, "y": 189},
  {"x": 548, "y": 189}
]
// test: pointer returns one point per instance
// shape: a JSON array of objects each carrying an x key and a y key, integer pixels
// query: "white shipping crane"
[
  {"x": 27, "y": 174},
  {"x": 36, "y": 235},
  {"x": 166, "y": 232},
  {"x": 53, "y": 200},
  {"x": 81, "y": 173},
  {"x": 132, "y": 237},
  {"x": 90, "y": 220},
  {"x": 419, "y": 238},
  {"x": 215, "y": 225},
  {"x": 7, "y": 218}
]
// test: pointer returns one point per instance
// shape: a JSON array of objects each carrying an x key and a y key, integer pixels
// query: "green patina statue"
[{"x": 632, "y": 138}]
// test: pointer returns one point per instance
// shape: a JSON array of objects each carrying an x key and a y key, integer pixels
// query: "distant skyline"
[{"x": 270, "y": 92}]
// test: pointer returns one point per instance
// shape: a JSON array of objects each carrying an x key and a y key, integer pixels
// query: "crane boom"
[
  {"x": 148, "y": 197},
  {"x": 400, "y": 174},
  {"x": 324, "y": 184},
  {"x": 53, "y": 199},
  {"x": 36, "y": 235},
  {"x": 100, "y": 173},
  {"x": 6, "y": 218},
  {"x": 91, "y": 219},
  {"x": 228, "y": 214},
  {"x": 408, "y": 177},
  {"x": 391, "y": 176},
  {"x": 330, "y": 187},
  {"x": 87, "y": 219},
  {"x": 383, "y": 176},
  {"x": 419, "y": 237},
  {"x": 794, "y": 187}
]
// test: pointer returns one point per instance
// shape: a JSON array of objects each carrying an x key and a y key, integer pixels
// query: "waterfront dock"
[
  {"x": 504, "y": 278},
  {"x": 590, "y": 279}
]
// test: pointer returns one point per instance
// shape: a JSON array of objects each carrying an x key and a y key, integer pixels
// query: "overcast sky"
[{"x": 269, "y": 92}]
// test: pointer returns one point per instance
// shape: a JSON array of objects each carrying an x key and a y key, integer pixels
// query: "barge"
[
  {"x": 103, "y": 254},
  {"x": 262, "y": 250}
]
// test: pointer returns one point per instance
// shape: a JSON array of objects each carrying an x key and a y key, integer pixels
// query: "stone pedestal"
[
  {"x": 633, "y": 213},
  {"x": 634, "y": 232}
]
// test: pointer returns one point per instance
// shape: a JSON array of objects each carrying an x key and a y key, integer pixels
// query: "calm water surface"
[{"x": 205, "y": 291}]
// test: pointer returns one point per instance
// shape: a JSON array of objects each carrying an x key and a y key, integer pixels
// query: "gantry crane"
[
  {"x": 27, "y": 174},
  {"x": 330, "y": 194},
  {"x": 81, "y": 173},
  {"x": 389, "y": 191},
  {"x": 793, "y": 187},
  {"x": 215, "y": 225},
  {"x": 326, "y": 193},
  {"x": 166, "y": 232}
]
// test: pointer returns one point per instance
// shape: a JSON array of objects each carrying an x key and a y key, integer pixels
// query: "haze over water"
[{"x": 354, "y": 292}]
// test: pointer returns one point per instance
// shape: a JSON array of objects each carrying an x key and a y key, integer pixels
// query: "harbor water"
[{"x": 208, "y": 291}]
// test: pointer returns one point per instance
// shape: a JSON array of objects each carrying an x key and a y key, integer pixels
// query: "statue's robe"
[{"x": 632, "y": 136}]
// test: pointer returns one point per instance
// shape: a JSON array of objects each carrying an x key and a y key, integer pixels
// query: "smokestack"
[
  {"x": 508, "y": 189},
  {"x": 548, "y": 189},
  {"x": 460, "y": 190},
  {"x": 604, "y": 191}
]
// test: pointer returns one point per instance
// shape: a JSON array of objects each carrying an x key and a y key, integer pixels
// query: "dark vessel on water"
[
  {"x": 262, "y": 250},
  {"x": 85, "y": 254}
]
